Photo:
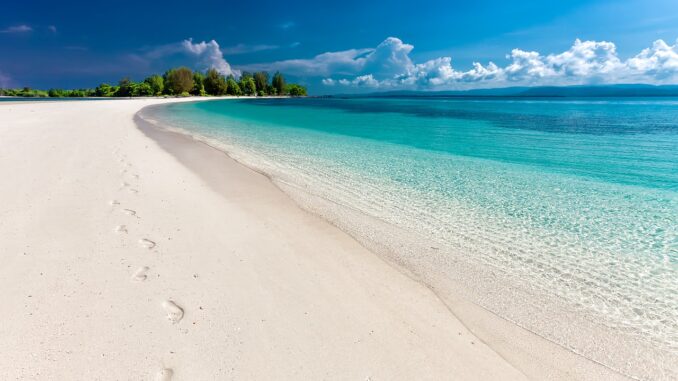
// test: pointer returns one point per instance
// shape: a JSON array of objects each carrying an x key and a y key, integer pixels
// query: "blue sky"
[{"x": 376, "y": 45}]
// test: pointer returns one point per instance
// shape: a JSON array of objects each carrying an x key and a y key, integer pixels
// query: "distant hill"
[{"x": 543, "y": 91}]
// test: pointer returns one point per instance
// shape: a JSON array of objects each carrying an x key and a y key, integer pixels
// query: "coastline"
[
  {"x": 123, "y": 262},
  {"x": 535, "y": 356}
]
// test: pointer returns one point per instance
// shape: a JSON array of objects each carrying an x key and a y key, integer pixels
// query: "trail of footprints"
[{"x": 174, "y": 312}]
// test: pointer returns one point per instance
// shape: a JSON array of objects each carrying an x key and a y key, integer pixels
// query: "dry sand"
[{"x": 120, "y": 262}]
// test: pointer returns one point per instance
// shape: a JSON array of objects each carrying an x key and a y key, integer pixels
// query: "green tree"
[
  {"x": 232, "y": 87},
  {"x": 143, "y": 89},
  {"x": 77, "y": 93},
  {"x": 125, "y": 88},
  {"x": 56, "y": 93},
  {"x": 215, "y": 83},
  {"x": 156, "y": 83},
  {"x": 198, "y": 84},
  {"x": 278, "y": 83},
  {"x": 261, "y": 81},
  {"x": 32, "y": 93},
  {"x": 295, "y": 90},
  {"x": 244, "y": 77},
  {"x": 247, "y": 86},
  {"x": 104, "y": 90},
  {"x": 179, "y": 81}
]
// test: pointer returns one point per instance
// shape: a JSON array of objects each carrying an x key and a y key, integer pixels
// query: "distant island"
[
  {"x": 580, "y": 91},
  {"x": 180, "y": 81}
]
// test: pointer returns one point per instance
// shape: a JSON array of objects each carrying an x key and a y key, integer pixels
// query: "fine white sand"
[{"x": 121, "y": 261}]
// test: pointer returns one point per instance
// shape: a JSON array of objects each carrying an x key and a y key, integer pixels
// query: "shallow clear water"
[{"x": 575, "y": 201}]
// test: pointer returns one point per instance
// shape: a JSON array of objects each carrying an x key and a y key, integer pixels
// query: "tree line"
[{"x": 180, "y": 81}]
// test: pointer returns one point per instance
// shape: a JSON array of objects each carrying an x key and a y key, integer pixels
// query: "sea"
[{"x": 559, "y": 215}]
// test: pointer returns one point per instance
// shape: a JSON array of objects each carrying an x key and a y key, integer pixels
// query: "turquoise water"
[{"x": 572, "y": 205}]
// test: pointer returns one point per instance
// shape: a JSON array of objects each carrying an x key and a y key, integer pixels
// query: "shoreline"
[
  {"x": 535, "y": 355},
  {"x": 121, "y": 262}
]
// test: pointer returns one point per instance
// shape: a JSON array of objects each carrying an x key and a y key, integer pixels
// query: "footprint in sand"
[
  {"x": 164, "y": 375},
  {"x": 174, "y": 312},
  {"x": 114, "y": 202},
  {"x": 147, "y": 243},
  {"x": 124, "y": 185},
  {"x": 121, "y": 229},
  {"x": 130, "y": 212},
  {"x": 140, "y": 274},
  {"x": 132, "y": 190}
]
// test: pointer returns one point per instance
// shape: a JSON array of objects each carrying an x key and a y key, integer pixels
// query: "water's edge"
[{"x": 500, "y": 328}]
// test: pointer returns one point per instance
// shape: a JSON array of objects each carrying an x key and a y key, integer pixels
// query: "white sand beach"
[{"x": 123, "y": 261}]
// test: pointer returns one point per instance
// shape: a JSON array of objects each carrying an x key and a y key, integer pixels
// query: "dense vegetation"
[{"x": 180, "y": 81}]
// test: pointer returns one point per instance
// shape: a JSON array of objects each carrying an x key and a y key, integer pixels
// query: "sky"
[{"x": 344, "y": 46}]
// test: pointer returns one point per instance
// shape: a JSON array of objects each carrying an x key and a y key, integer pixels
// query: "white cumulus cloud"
[
  {"x": 659, "y": 61},
  {"x": 346, "y": 62},
  {"x": 361, "y": 81},
  {"x": 526, "y": 66},
  {"x": 585, "y": 62},
  {"x": 209, "y": 54},
  {"x": 391, "y": 57},
  {"x": 201, "y": 55}
]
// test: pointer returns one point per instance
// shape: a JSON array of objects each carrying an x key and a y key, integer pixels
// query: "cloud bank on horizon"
[{"x": 389, "y": 66}]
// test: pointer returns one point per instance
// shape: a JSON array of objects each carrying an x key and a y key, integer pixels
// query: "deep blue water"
[{"x": 617, "y": 140}]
